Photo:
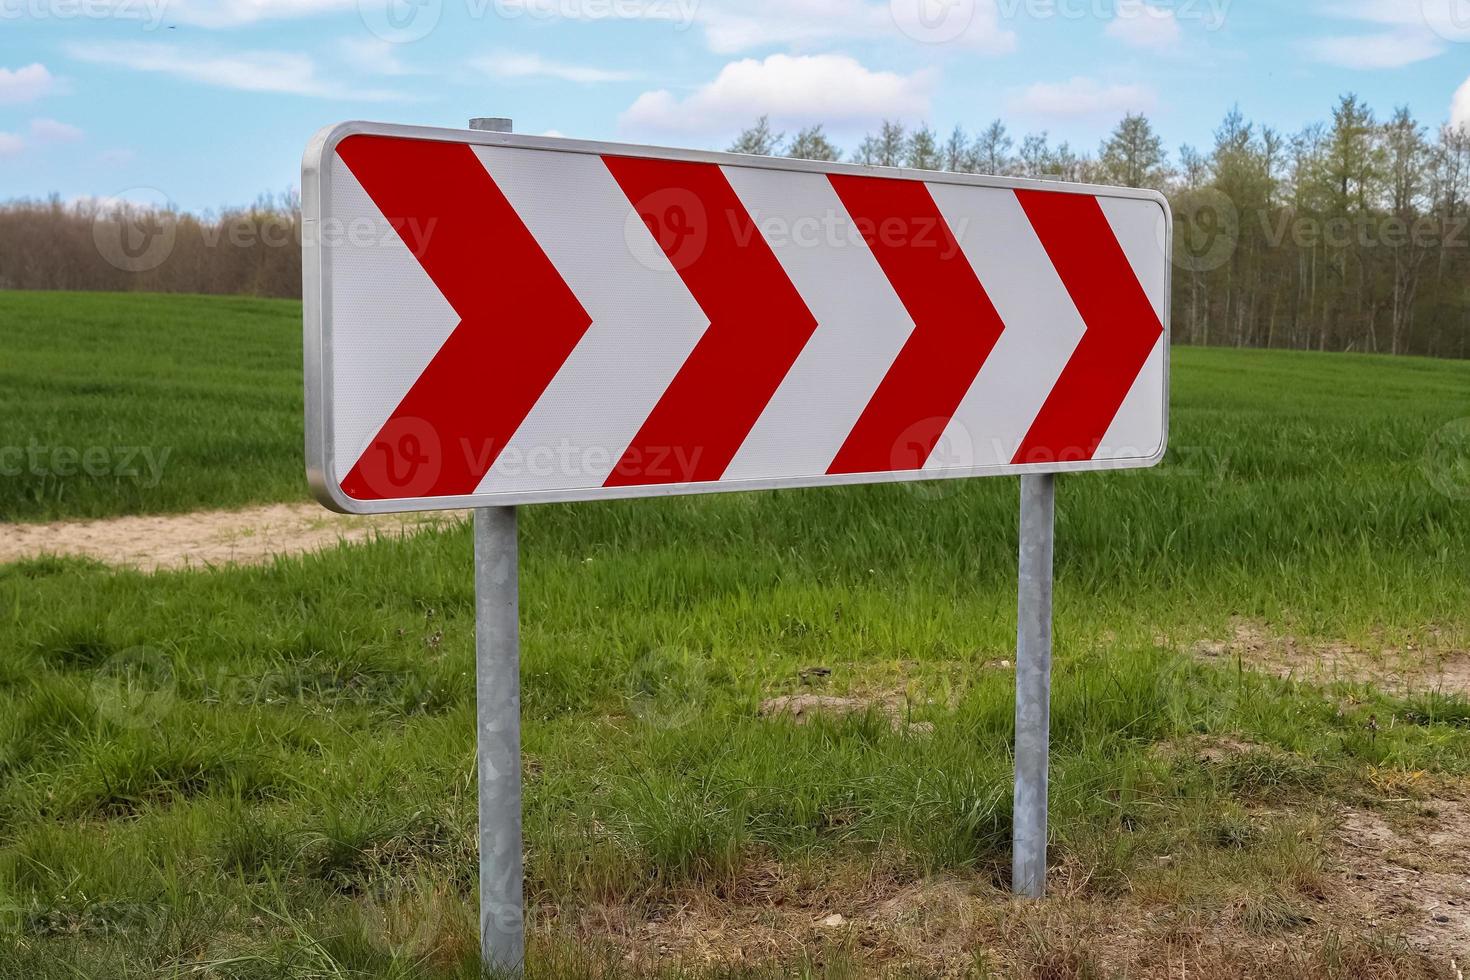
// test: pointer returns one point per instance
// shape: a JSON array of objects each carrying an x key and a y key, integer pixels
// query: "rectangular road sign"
[{"x": 495, "y": 319}]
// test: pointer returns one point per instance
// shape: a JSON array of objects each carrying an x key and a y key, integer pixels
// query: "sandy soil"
[{"x": 206, "y": 538}]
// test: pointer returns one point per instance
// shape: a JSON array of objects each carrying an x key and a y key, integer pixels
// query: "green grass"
[
  {"x": 268, "y": 772},
  {"x": 132, "y": 403}
]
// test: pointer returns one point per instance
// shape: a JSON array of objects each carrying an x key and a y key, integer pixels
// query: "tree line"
[
  {"x": 122, "y": 246},
  {"x": 1352, "y": 234}
]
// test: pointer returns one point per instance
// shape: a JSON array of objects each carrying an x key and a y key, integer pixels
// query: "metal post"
[
  {"x": 498, "y": 732},
  {"x": 1033, "y": 685},
  {"x": 498, "y": 745}
]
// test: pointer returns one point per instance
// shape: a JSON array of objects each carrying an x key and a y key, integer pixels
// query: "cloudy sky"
[{"x": 211, "y": 102}]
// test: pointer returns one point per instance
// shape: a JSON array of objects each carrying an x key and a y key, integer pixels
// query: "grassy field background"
[
  {"x": 268, "y": 772},
  {"x": 135, "y": 404}
]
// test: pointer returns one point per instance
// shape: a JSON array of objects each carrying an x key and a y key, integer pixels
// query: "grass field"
[
  {"x": 268, "y": 772},
  {"x": 125, "y": 404}
]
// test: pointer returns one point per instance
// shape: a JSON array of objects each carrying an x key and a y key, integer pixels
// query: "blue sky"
[{"x": 211, "y": 102}]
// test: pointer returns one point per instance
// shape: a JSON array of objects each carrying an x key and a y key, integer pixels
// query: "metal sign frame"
[{"x": 496, "y": 542}]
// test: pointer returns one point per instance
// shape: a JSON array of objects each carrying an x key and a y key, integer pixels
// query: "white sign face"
[{"x": 495, "y": 319}]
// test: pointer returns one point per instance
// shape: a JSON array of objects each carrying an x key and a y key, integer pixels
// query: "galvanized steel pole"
[
  {"x": 498, "y": 733},
  {"x": 1033, "y": 685}
]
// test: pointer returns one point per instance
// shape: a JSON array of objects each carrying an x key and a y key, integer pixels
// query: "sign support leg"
[
  {"x": 498, "y": 741},
  {"x": 1033, "y": 685},
  {"x": 498, "y": 714}
]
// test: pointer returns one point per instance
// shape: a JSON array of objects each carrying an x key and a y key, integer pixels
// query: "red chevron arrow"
[
  {"x": 1122, "y": 327},
  {"x": 758, "y": 322},
  {"x": 955, "y": 325},
  {"x": 457, "y": 418}
]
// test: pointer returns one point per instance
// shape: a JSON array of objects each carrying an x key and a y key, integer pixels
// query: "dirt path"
[{"x": 239, "y": 537}]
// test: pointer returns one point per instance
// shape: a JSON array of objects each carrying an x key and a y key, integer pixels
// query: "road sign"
[{"x": 496, "y": 319}]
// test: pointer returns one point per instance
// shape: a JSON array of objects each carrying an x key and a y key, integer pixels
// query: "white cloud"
[
  {"x": 245, "y": 71},
  {"x": 235, "y": 13},
  {"x": 1460, "y": 109},
  {"x": 510, "y": 65},
  {"x": 1143, "y": 25},
  {"x": 1400, "y": 12},
  {"x": 1413, "y": 31},
  {"x": 1390, "y": 49},
  {"x": 1083, "y": 97},
  {"x": 732, "y": 26},
  {"x": 11, "y": 144},
  {"x": 737, "y": 26},
  {"x": 51, "y": 131},
  {"x": 793, "y": 90},
  {"x": 373, "y": 56},
  {"x": 25, "y": 84}
]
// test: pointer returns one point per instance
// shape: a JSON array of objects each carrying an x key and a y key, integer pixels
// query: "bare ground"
[
  {"x": 968, "y": 926},
  {"x": 1391, "y": 900},
  {"x": 1396, "y": 665},
  {"x": 206, "y": 538}
]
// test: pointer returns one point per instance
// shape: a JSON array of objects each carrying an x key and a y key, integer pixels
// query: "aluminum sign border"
[{"x": 316, "y": 200}]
